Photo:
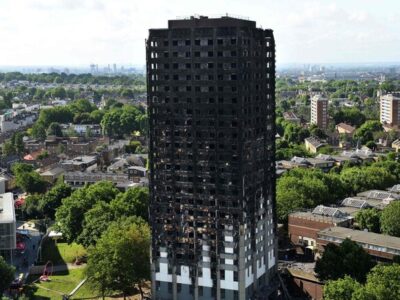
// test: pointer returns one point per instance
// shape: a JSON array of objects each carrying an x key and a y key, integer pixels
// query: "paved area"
[{"x": 23, "y": 260}]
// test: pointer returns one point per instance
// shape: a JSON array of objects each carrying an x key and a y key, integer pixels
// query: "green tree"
[
  {"x": 390, "y": 219},
  {"x": 369, "y": 218},
  {"x": 27, "y": 179},
  {"x": 59, "y": 114},
  {"x": 351, "y": 116},
  {"x": 341, "y": 289},
  {"x": 134, "y": 202},
  {"x": 348, "y": 258},
  {"x": 70, "y": 215},
  {"x": 120, "y": 259},
  {"x": 306, "y": 188},
  {"x": 8, "y": 149},
  {"x": 294, "y": 133},
  {"x": 49, "y": 203},
  {"x": 81, "y": 106},
  {"x": 383, "y": 282},
  {"x": 132, "y": 147},
  {"x": 59, "y": 92},
  {"x": 55, "y": 129},
  {"x": 96, "y": 116},
  {"x": 317, "y": 132},
  {"x": 96, "y": 221},
  {"x": 39, "y": 131},
  {"x": 17, "y": 142},
  {"x": 6, "y": 275},
  {"x": 31, "y": 207},
  {"x": 358, "y": 179},
  {"x": 366, "y": 131}
]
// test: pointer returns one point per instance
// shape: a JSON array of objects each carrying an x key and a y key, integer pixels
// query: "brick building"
[
  {"x": 304, "y": 226},
  {"x": 382, "y": 247}
]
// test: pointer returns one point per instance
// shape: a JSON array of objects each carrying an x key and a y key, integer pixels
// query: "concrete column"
[
  {"x": 242, "y": 265},
  {"x": 153, "y": 280},
  {"x": 174, "y": 284}
]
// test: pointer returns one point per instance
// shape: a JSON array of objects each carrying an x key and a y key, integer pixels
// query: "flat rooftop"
[
  {"x": 318, "y": 218},
  {"x": 363, "y": 237},
  {"x": 205, "y": 21},
  {"x": 79, "y": 160},
  {"x": 7, "y": 211}
]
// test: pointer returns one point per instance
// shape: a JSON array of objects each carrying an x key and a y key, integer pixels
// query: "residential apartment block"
[
  {"x": 319, "y": 111},
  {"x": 389, "y": 110},
  {"x": 211, "y": 103}
]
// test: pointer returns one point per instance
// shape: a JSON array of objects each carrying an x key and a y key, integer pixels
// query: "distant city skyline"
[{"x": 79, "y": 33}]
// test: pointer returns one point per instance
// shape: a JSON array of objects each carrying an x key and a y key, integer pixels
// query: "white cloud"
[{"x": 34, "y": 32}]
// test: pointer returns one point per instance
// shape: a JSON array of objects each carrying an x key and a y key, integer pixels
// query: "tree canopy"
[
  {"x": 120, "y": 259},
  {"x": 369, "y": 219},
  {"x": 352, "y": 116},
  {"x": 383, "y": 282},
  {"x": 87, "y": 212},
  {"x": 27, "y": 179},
  {"x": 6, "y": 275},
  {"x": 348, "y": 258},
  {"x": 306, "y": 188},
  {"x": 341, "y": 289},
  {"x": 390, "y": 219},
  {"x": 70, "y": 215}
]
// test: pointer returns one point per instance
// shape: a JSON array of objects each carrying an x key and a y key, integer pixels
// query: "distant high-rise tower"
[
  {"x": 211, "y": 103},
  {"x": 390, "y": 109},
  {"x": 319, "y": 111}
]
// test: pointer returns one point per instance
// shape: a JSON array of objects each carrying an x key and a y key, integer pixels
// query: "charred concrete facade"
[{"x": 211, "y": 103}]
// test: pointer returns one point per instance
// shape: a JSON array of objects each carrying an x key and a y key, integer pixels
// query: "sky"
[{"x": 81, "y": 32}]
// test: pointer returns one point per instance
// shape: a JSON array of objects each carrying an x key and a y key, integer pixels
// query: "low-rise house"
[
  {"x": 121, "y": 181},
  {"x": 80, "y": 163},
  {"x": 384, "y": 197},
  {"x": 136, "y": 172},
  {"x": 343, "y": 128},
  {"x": 313, "y": 144},
  {"x": 12, "y": 120},
  {"x": 83, "y": 129},
  {"x": 396, "y": 145},
  {"x": 304, "y": 226},
  {"x": 8, "y": 236},
  {"x": 380, "y": 246},
  {"x": 363, "y": 155},
  {"x": 52, "y": 174},
  {"x": 7, "y": 182},
  {"x": 291, "y": 117},
  {"x": 395, "y": 189},
  {"x": 304, "y": 281}
]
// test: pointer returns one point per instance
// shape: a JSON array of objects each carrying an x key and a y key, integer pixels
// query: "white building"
[{"x": 8, "y": 239}]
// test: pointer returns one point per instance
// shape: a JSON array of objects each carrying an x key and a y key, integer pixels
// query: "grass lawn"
[
  {"x": 61, "y": 253},
  {"x": 60, "y": 284},
  {"x": 64, "y": 282}
]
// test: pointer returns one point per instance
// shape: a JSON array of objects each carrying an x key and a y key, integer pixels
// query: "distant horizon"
[{"x": 141, "y": 66}]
